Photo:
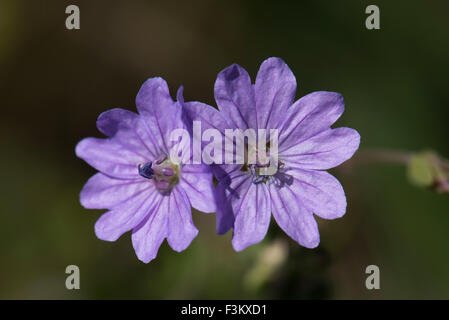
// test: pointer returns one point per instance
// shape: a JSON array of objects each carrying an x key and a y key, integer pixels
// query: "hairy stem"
[{"x": 372, "y": 156}]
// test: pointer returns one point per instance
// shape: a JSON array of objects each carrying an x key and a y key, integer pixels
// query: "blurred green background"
[{"x": 55, "y": 82}]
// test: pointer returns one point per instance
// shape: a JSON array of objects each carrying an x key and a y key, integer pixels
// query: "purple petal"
[
  {"x": 129, "y": 129},
  {"x": 245, "y": 206},
  {"x": 119, "y": 155},
  {"x": 320, "y": 192},
  {"x": 293, "y": 217},
  {"x": 110, "y": 157},
  {"x": 137, "y": 137},
  {"x": 323, "y": 151},
  {"x": 275, "y": 90},
  {"x": 126, "y": 215},
  {"x": 224, "y": 170},
  {"x": 197, "y": 183},
  {"x": 148, "y": 236},
  {"x": 161, "y": 114},
  {"x": 181, "y": 230},
  {"x": 110, "y": 121},
  {"x": 103, "y": 192},
  {"x": 309, "y": 116},
  {"x": 209, "y": 117},
  {"x": 228, "y": 189},
  {"x": 234, "y": 94},
  {"x": 252, "y": 211}
]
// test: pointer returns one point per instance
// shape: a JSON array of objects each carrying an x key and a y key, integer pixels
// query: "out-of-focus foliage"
[
  {"x": 270, "y": 258},
  {"x": 427, "y": 169},
  {"x": 54, "y": 83}
]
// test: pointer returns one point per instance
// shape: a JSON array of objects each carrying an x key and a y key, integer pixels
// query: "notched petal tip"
[
  {"x": 311, "y": 244},
  {"x": 110, "y": 121},
  {"x": 325, "y": 97},
  {"x": 145, "y": 260},
  {"x": 311, "y": 238},
  {"x": 355, "y": 141},
  {"x": 80, "y": 148},
  {"x": 101, "y": 230},
  {"x": 352, "y": 144},
  {"x": 275, "y": 62},
  {"x": 241, "y": 244},
  {"x": 148, "y": 236},
  {"x": 275, "y": 91},
  {"x": 329, "y": 99},
  {"x": 232, "y": 72},
  {"x": 274, "y": 59},
  {"x": 154, "y": 82},
  {"x": 181, "y": 246},
  {"x": 150, "y": 88},
  {"x": 238, "y": 246},
  {"x": 85, "y": 196},
  {"x": 144, "y": 256}
]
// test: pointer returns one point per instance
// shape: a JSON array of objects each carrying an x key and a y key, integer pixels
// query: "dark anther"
[{"x": 146, "y": 171}]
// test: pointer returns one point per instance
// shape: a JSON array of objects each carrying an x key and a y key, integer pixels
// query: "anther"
[{"x": 146, "y": 171}]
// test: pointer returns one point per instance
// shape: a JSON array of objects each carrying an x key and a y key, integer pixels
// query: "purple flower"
[
  {"x": 143, "y": 189},
  {"x": 307, "y": 146}
]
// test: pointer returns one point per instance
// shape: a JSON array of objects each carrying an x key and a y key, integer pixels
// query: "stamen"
[
  {"x": 168, "y": 172},
  {"x": 257, "y": 172},
  {"x": 160, "y": 160},
  {"x": 162, "y": 171},
  {"x": 146, "y": 170}
]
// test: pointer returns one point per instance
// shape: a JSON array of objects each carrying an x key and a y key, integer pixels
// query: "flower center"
[
  {"x": 265, "y": 167},
  {"x": 163, "y": 172},
  {"x": 262, "y": 173}
]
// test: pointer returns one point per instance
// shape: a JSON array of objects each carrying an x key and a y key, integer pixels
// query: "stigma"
[
  {"x": 265, "y": 173},
  {"x": 145, "y": 170},
  {"x": 163, "y": 172}
]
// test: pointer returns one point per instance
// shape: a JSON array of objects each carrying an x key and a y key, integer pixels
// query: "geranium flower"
[
  {"x": 307, "y": 146},
  {"x": 142, "y": 187}
]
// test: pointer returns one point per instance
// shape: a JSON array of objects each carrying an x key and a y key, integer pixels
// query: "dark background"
[{"x": 54, "y": 83}]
